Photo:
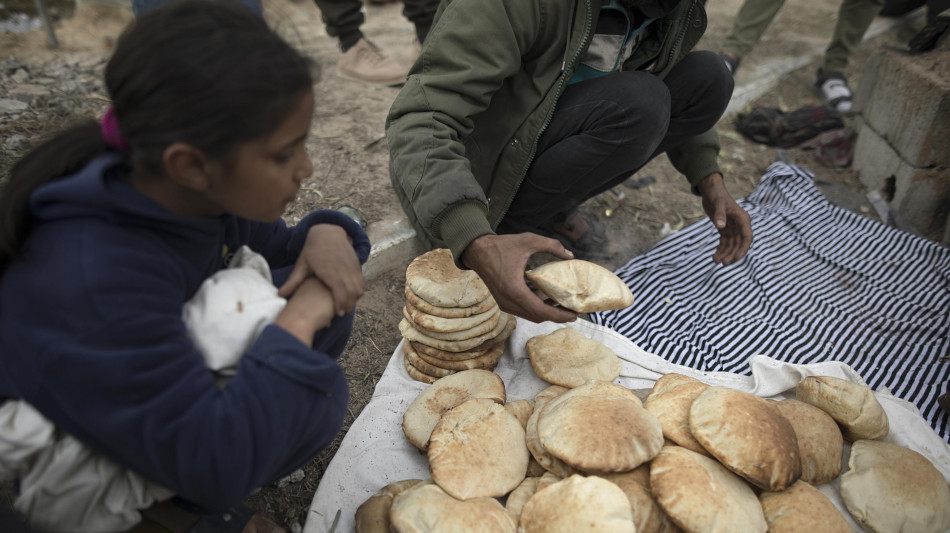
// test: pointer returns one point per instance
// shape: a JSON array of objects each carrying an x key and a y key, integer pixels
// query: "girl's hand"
[
  {"x": 328, "y": 255},
  {"x": 308, "y": 310}
]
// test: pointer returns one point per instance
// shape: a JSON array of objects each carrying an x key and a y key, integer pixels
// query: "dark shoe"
[
  {"x": 833, "y": 89},
  {"x": 581, "y": 234},
  {"x": 731, "y": 61}
]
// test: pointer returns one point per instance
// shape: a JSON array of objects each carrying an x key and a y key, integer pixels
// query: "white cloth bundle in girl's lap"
[{"x": 64, "y": 482}]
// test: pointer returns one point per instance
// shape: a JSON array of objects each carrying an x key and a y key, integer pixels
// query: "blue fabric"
[
  {"x": 141, "y": 7},
  {"x": 614, "y": 19},
  {"x": 91, "y": 335}
]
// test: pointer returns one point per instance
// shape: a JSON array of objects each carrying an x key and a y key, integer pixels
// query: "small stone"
[{"x": 8, "y": 106}]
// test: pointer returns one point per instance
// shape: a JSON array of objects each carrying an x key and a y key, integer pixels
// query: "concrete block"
[
  {"x": 875, "y": 160},
  {"x": 395, "y": 244},
  {"x": 906, "y": 100}
]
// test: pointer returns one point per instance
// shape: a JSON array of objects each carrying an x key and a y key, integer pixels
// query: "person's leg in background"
[
  {"x": 420, "y": 13},
  {"x": 854, "y": 18},
  {"x": 751, "y": 21},
  {"x": 605, "y": 129},
  {"x": 359, "y": 58}
]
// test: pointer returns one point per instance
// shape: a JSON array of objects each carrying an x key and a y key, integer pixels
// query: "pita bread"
[
  {"x": 670, "y": 400},
  {"x": 567, "y": 357},
  {"x": 427, "y": 322},
  {"x": 427, "y": 408},
  {"x": 547, "y": 479},
  {"x": 421, "y": 365},
  {"x": 802, "y": 507},
  {"x": 647, "y": 515},
  {"x": 581, "y": 286},
  {"x": 478, "y": 450},
  {"x": 434, "y": 277},
  {"x": 599, "y": 428},
  {"x": 521, "y": 409},
  {"x": 520, "y": 496},
  {"x": 472, "y": 353},
  {"x": 413, "y": 334},
  {"x": 748, "y": 435},
  {"x": 546, "y": 460},
  {"x": 702, "y": 496},
  {"x": 426, "y": 508},
  {"x": 417, "y": 374},
  {"x": 578, "y": 504},
  {"x": 851, "y": 404},
  {"x": 890, "y": 488},
  {"x": 487, "y": 361},
  {"x": 448, "y": 312},
  {"x": 373, "y": 515},
  {"x": 819, "y": 440},
  {"x": 458, "y": 335}
]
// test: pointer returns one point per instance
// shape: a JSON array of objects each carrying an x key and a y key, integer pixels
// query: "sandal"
[{"x": 581, "y": 234}]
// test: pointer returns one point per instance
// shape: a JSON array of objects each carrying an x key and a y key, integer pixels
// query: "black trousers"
[
  {"x": 343, "y": 18},
  {"x": 605, "y": 129}
]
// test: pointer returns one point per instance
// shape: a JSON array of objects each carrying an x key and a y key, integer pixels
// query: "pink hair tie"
[{"x": 111, "y": 133}]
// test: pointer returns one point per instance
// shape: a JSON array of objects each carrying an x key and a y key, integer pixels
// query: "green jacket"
[{"x": 465, "y": 127}]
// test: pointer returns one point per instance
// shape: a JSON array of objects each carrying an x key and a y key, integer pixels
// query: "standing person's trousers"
[
  {"x": 854, "y": 17},
  {"x": 344, "y": 17},
  {"x": 605, "y": 129}
]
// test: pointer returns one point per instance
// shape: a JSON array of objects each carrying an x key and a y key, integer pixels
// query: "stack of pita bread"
[
  {"x": 451, "y": 321},
  {"x": 688, "y": 457}
]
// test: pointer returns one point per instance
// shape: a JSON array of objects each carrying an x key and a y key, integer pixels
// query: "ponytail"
[{"x": 64, "y": 154}]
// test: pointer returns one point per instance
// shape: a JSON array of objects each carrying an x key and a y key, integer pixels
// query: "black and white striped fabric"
[{"x": 820, "y": 283}]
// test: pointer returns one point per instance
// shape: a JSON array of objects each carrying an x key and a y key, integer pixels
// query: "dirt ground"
[{"x": 350, "y": 156}]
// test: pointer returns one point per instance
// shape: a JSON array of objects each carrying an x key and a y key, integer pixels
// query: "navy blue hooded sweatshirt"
[{"x": 91, "y": 334}]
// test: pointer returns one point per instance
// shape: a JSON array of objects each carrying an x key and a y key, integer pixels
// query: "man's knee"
[{"x": 710, "y": 77}]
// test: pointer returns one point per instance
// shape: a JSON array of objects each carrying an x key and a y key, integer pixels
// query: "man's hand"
[
  {"x": 732, "y": 222},
  {"x": 328, "y": 255},
  {"x": 500, "y": 260}
]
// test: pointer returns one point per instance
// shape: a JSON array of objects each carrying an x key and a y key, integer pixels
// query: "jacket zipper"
[
  {"x": 557, "y": 96},
  {"x": 679, "y": 38}
]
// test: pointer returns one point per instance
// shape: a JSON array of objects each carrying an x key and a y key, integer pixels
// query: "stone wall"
[{"x": 903, "y": 145}]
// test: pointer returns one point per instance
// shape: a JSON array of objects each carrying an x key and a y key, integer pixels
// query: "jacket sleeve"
[
  {"x": 453, "y": 81},
  {"x": 124, "y": 378},
  {"x": 281, "y": 245},
  {"x": 697, "y": 158}
]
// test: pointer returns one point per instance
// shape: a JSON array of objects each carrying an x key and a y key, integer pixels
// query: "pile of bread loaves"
[
  {"x": 452, "y": 323},
  {"x": 688, "y": 457}
]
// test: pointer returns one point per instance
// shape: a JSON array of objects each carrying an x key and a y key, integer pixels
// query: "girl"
[{"x": 110, "y": 228}]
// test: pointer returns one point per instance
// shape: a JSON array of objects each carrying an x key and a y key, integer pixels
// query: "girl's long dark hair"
[{"x": 206, "y": 72}]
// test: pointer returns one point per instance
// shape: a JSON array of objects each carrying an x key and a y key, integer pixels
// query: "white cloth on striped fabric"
[{"x": 820, "y": 284}]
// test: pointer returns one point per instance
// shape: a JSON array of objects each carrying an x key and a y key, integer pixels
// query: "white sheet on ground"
[{"x": 375, "y": 452}]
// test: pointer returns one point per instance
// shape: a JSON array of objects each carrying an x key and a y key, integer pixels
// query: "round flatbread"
[
  {"x": 802, "y": 507},
  {"x": 578, "y": 504},
  {"x": 522, "y": 410},
  {"x": 820, "y": 444},
  {"x": 748, "y": 435},
  {"x": 581, "y": 286},
  {"x": 434, "y": 277},
  {"x": 372, "y": 516},
  {"x": 487, "y": 361},
  {"x": 478, "y": 450},
  {"x": 426, "y": 322},
  {"x": 417, "y": 374},
  {"x": 448, "y": 312},
  {"x": 427, "y": 408},
  {"x": 423, "y": 365},
  {"x": 852, "y": 405},
  {"x": 890, "y": 488},
  {"x": 546, "y": 460},
  {"x": 702, "y": 496},
  {"x": 426, "y": 508},
  {"x": 569, "y": 358},
  {"x": 670, "y": 400},
  {"x": 599, "y": 428},
  {"x": 647, "y": 515},
  {"x": 520, "y": 496},
  {"x": 472, "y": 353},
  {"x": 456, "y": 335},
  {"x": 413, "y": 334}
]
